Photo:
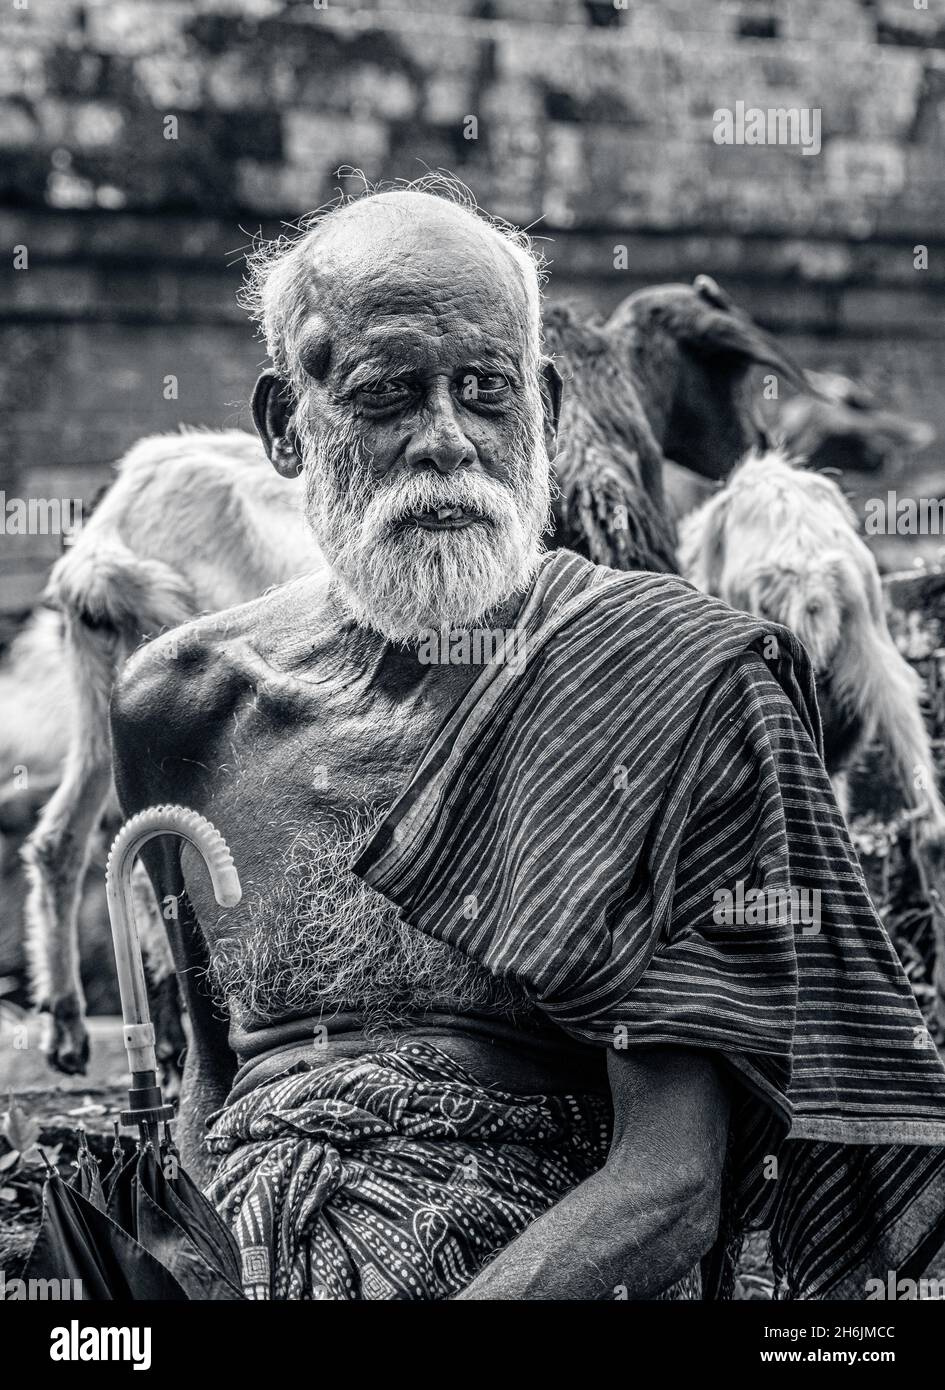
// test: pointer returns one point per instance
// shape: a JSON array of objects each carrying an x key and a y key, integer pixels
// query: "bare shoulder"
[{"x": 180, "y": 685}]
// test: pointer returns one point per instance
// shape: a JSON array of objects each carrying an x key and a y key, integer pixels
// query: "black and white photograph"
[{"x": 472, "y": 667}]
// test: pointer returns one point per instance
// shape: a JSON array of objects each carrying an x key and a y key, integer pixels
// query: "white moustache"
[{"x": 413, "y": 497}]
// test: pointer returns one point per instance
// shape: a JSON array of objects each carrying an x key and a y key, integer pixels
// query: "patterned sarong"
[
  {"x": 395, "y": 1176},
  {"x": 610, "y": 804}
]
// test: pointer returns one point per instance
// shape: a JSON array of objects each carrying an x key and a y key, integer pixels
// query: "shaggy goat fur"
[
  {"x": 609, "y": 501},
  {"x": 781, "y": 542}
]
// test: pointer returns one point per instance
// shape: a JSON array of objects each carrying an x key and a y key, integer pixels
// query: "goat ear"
[
  {"x": 717, "y": 327},
  {"x": 833, "y": 388}
]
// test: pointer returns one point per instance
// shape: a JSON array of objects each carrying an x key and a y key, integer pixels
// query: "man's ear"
[
  {"x": 551, "y": 388},
  {"x": 273, "y": 409}
]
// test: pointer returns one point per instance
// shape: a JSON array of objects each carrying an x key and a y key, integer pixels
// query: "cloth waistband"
[{"x": 491, "y": 1049}]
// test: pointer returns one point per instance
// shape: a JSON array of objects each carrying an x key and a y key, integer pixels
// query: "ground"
[{"x": 44, "y": 1112}]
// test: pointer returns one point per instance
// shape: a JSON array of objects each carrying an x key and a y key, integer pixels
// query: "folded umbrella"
[
  {"x": 171, "y": 1218},
  {"x": 79, "y": 1243},
  {"x": 148, "y": 1231}
]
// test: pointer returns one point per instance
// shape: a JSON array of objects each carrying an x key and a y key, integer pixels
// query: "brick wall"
[{"x": 603, "y": 132}]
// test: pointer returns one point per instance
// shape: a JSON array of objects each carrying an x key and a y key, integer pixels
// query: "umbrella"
[
  {"x": 146, "y": 1231},
  {"x": 79, "y": 1243}
]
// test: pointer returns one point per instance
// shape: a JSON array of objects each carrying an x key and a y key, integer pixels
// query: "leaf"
[
  {"x": 7, "y": 1194},
  {"x": 8, "y": 1160},
  {"x": 18, "y": 1129}
]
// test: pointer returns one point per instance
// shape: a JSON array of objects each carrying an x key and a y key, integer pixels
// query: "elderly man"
[{"x": 481, "y": 1026}]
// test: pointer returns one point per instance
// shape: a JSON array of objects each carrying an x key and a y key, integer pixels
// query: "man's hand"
[{"x": 648, "y": 1216}]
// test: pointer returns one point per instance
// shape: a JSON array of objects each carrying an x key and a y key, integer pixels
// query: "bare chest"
[{"x": 304, "y": 763}]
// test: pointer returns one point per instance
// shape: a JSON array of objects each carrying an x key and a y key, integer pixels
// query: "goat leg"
[
  {"x": 56, "y": 857},
  {"x": 57, "y": 853},
  {"x": 901, "y": 726}
]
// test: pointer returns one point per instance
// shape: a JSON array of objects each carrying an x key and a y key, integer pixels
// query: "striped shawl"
[{"x": 580, "y": 822}]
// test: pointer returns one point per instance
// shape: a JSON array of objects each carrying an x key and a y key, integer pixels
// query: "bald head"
[{"x": 387, "y": 251}]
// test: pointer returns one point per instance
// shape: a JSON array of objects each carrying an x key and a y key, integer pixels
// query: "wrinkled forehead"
[{"x": 422, "y": 283}]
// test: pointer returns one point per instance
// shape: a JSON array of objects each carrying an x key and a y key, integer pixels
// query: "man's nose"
[{"x": 439, "y": 441}]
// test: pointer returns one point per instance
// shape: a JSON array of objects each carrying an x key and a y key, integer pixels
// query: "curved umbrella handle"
[{"x": 135, "y": 833}]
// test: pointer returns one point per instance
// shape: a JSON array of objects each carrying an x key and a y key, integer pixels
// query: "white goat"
[
  {"x": 195, "y": 522},
  {"x": 782, "y": 543}
]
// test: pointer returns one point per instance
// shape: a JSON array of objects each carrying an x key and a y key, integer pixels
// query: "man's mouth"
[{"x": 445, "y": 518}]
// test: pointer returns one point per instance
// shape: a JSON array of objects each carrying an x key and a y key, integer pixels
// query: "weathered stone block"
[
  {"x": 865, "y": 167},
  {"x": 90, "y": 125},
  {"x": 325, "y": 139},
  {"x": 129, "y": 27},
  {"x": 173, "y": 82}
]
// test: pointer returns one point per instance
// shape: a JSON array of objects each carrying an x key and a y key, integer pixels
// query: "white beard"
[{"x": 403, "y": 580}]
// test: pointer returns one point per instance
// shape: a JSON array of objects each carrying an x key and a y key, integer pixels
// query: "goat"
[
  {"x": 781, "y": 542},
  {"x": 608, "y": 503},
  {"x": 690, "y": 350},
  {"x": 35, "y": 700},
  {"x": 664, "y": 380},
  {"x": 843, "y": 426},
  {"x": 194, "y": 522}
]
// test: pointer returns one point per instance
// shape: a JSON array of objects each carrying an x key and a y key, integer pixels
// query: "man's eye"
[
  {"x": 384, "y": 392},
  {"x": 482, "y": 386}
]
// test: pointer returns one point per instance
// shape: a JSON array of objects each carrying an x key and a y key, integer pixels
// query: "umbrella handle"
[{"x": 133, "y": 835}]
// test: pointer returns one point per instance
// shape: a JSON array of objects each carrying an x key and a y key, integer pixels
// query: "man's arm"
[
  {"x": 147, "y": 708},
  {"x": 210, "y": 1063},
  {"x": 652, "y": 1211}
]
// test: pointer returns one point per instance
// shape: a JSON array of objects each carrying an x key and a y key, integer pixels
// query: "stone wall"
[{"x": 144, "y": 142}]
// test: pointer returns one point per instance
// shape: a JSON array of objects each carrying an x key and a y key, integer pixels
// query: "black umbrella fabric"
[
  {"x": 170, "y": 1217},
  {"x": 156, "y": 1238},
  {"x": 118, "y": 1162},
  {"x": 79, "y": 1243},
  {"x": 181, "y": 1203}
]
